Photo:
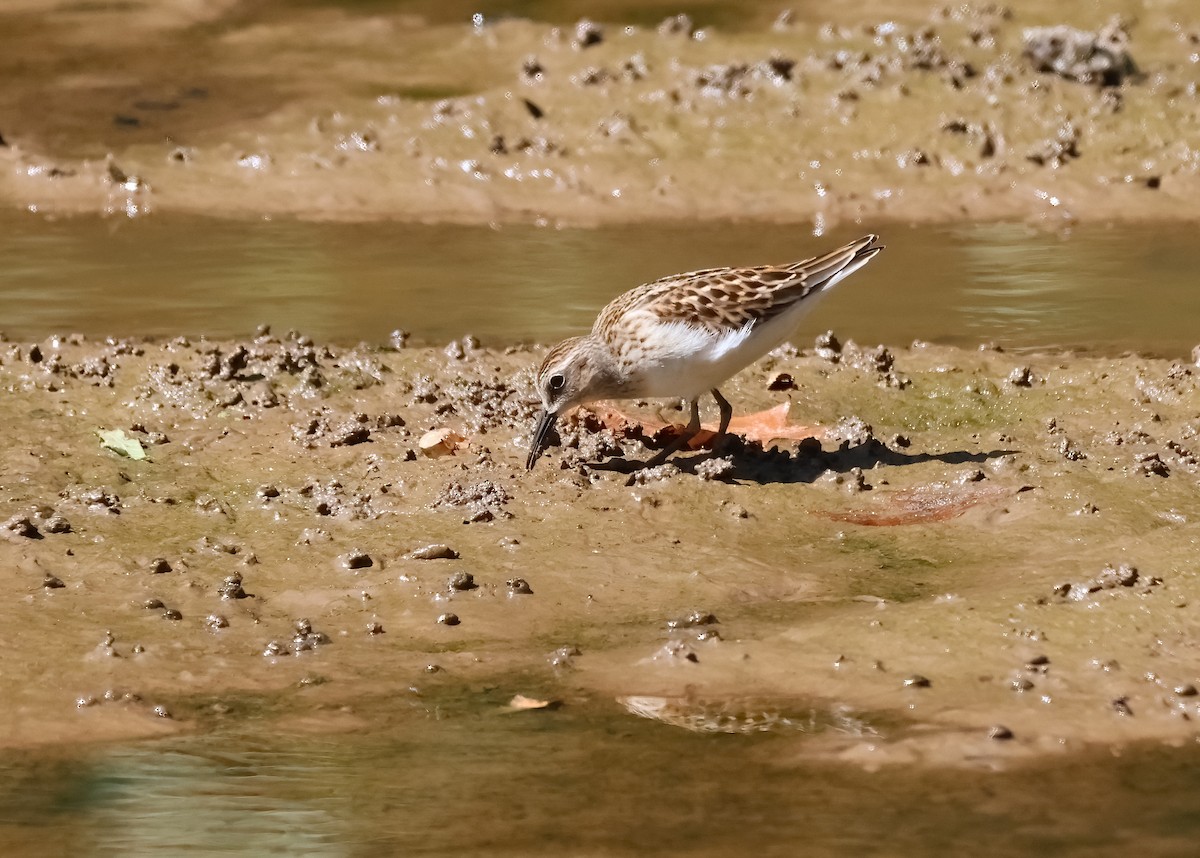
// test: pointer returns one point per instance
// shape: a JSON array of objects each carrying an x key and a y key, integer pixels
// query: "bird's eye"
[{"x": 556, "y": 383}]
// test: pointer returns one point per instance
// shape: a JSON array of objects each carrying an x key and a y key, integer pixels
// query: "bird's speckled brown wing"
[{"x": 725, "y": 299}]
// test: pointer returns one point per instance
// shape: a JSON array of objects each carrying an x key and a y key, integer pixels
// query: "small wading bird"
[{"x": 685, "y": 334}]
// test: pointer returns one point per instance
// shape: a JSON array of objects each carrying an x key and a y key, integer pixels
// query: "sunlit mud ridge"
[
  {"x": 971, "y": 554},
  {"x": 982, "y": 112}
]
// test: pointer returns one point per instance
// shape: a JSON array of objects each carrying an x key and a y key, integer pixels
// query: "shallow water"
[
  {"x": 469, "y": 780},
  {"x": 1108, "y": 289}
]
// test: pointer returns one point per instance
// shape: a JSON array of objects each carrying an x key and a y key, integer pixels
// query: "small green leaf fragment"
[{"x": 121, "y": 444}]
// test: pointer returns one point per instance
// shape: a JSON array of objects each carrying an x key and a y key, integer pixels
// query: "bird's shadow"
[{"x": 752, "y": 464}]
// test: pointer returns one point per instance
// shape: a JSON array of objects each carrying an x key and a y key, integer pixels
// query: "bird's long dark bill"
[{"x": 544, "y": 424}]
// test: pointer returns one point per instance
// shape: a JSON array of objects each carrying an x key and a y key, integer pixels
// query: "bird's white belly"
[{"x": 688, "y": 362}]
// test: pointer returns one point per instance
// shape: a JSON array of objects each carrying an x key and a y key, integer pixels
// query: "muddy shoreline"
[
  {"x": 975, "y": 557},
  {"x": 900, "y": 114}
]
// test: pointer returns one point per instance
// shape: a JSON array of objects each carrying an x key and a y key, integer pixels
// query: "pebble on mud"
[
  {"x": 56, "y": 524},
  {"x": 52, "y": 582},
  {"x": 1000, "y": 733},
  {"x": 356, "y": 560},
  {"x": 448, "y": 619},
  {"x": 231, "y": 588},
  {"x": 462, "y": 581},
  {"x": 374, "y": 628},
  {"x": 20, "y": 526},
  {"x": 160, "y": 566},
  {"x": 216, "y": 621},
  {"x": 435, "y": 551},
  {"x": 917, "y": 681},
  {"x": 518, "y": 587}
]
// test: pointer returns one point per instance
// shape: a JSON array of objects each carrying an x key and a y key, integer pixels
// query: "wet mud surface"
[
  {"x": 976, "y": 556},
  {"x": 1051, "y": 114}
]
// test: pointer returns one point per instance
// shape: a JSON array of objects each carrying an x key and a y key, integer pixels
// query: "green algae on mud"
[
  {"x": 264, "y": 544},
  {"x": 869, "y": 112}
]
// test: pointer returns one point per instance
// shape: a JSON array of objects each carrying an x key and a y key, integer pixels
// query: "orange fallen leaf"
[
  {"x": 921, "y": 505},
  {"x": 763, "y": 426}
]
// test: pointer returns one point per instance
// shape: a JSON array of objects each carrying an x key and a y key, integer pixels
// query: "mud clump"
[
  {"x": 483, "y": 501},
  {"x": 1109, "y": 578},
  {"x": 1100, "y": 58}
]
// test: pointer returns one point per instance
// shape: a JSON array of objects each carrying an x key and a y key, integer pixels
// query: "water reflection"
[{"x": 248, "y": 800}]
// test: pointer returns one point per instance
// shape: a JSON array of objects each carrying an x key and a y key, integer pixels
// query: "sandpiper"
[{"x": 685, "y": 334}]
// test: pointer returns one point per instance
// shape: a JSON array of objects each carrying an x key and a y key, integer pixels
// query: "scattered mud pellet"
[
  {"x": 374, "y": 628},
  {"x": 1121, "y": 706},
  {"x": 85, "y": 701},
  {"x": 917, "y": 681},
  {"x": 306, "y": 638},
  {"x": 267, "y": 492},
  {"x": 1151, "y": 464},
  {"x": 1119, "y": 576},
  {"x": 828, "y": 347},
  {"x": 715, "y": 468},
  {"x": 1022, "y": 376},
  {"x": 739, "y": 511},
  {"x": 52, "y": 582},
  {"x": 1185, "y": 689},
  {"x": 172, "y": 614},
  {"x": 216, "y": 621},
  {"x": 348, "y": 434},
  {"x": 462, "y": 581},
  {"x": 677, "y": 25},
  {"x": 853, "y": 432},
  {"x": 484, "y": 500},
  {"x": 160, "y": 566},
  {"x": 153, "y": 604},
  {"x": 275, "y": 648},
  {"x": 448, "y": 619},
  {"x": 693, "y": 619},
  {"x": 314, "y": 536},
  {"x": 434, "y": 551},
  {"x": 532, "y": 70},
  {"x": 356, "y": 560},
  {"x": 518, "y": 586},
  {"x": 587, "y": 33},
  {"x": 1000, "y": 733},
  {"x": 20, "y": 526},
  {"x": 231, "y": 588},
  {"x": 562, "y": 657},
  {"x": 162, "y": 712},
  {"x": 781, "y": 381},
  {"x": 1070, "y": 451},
  {"x": 1100, "y": 57},
  {"x": 648, "y": 476},
  {"x": 677, "y": 651},
  {"x": 1022, "y": 684}
]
